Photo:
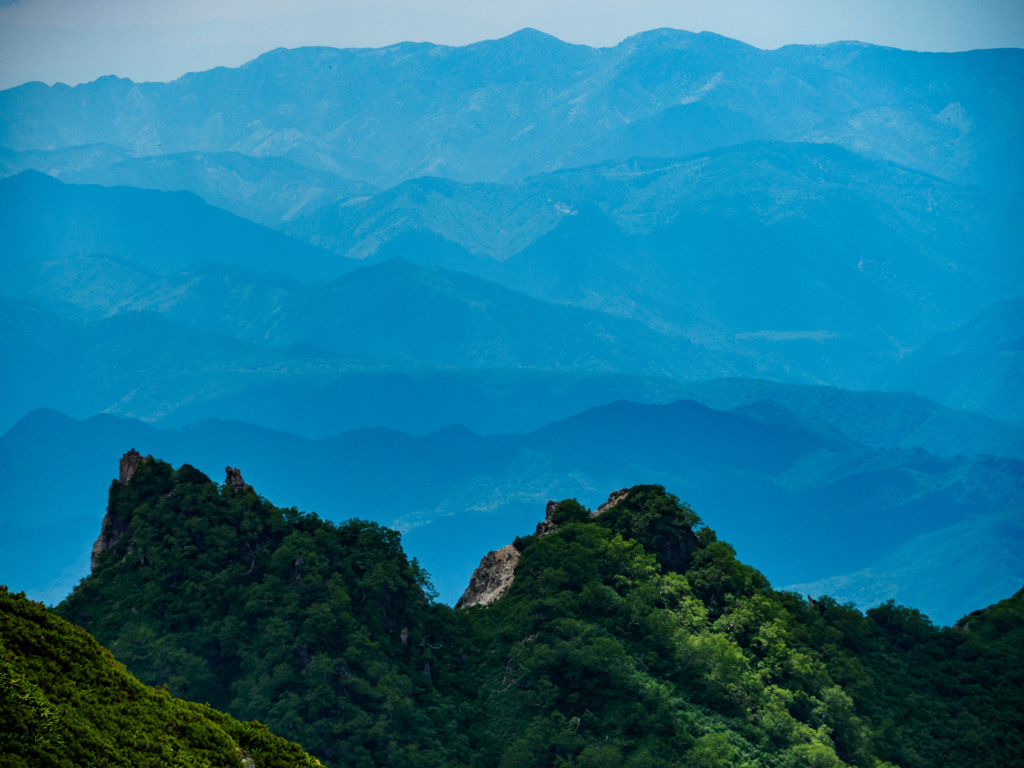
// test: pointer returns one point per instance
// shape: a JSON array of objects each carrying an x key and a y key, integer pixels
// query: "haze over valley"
[
  {"x": 627, "y": 396},
  {"x": 563, "y": 269}
]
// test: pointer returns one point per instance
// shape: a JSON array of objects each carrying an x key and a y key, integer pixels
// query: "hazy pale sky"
[{"x": 74, "y": 41}]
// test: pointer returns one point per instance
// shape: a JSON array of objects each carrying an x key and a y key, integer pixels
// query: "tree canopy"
[{"x": 633, "y": 637}]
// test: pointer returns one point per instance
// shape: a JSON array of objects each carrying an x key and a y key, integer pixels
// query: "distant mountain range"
[
  {"x": 501, "y": 110},
  {"x": 795, "y": 494},
  {"x": 447, "y": 284},
  {"x": 693, "y": 285},
  {"x": 42, "y": 219},
  {"x": 978, "y": 366}
]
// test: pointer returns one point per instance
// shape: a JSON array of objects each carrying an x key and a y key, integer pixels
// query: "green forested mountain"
[
  {"x": 65, "y": 702},
  {"x": 631, "y": 637},
  {"x": 325, "y": 631}
]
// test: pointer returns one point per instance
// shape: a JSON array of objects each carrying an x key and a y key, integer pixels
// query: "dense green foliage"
[
  {"x": 64, "y": 701},
  {"x": 322, "y": 631},
  {"x": 633, "y": 637}
]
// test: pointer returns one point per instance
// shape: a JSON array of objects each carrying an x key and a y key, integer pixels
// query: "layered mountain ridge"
[
  {"x": 794, "y": 493},
  {"x": 664, "y": 92},
  {"x": 631, "y": 636},
  {"x": 785, "y": 284}
]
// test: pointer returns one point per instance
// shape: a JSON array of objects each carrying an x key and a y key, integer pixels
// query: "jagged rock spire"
[
  {"x": 129, "y": 463},
  {"x": 234, "y": 479}
]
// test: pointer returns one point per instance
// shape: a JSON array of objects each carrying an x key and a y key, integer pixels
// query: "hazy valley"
[{"x": 432, "y": 288}]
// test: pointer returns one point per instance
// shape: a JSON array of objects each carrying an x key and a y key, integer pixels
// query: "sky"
[{"x": 74, "y": 41}]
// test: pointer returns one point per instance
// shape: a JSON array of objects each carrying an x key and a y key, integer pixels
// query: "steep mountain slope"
[
  {"x": 596, "y": 648},
  {"x": 799, "y": 499},
  {"x": 344, "y": 668},
  {"x": 528, "y": 103},
  {"x": 64, "y": 701},
  {"x": 629, "y": 637}
]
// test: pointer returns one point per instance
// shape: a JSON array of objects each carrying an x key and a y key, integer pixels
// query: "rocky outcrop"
[
  {"x": 492, "y": 578},
  {"x": 113, "y": 527},
  {"x": 547, "y": 525},
  {"x": 613, "y": 498},
  {"x": 496, "y": 571},
  {"x": 111, "y": 532},
  {"x": 129, "y": 463},
  {"x": 234, "y": 479}
]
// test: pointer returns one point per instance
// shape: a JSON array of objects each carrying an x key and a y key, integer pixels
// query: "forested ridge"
[
  {"x": 64, "y": 701},
  {"x": 633, "y": 637}
]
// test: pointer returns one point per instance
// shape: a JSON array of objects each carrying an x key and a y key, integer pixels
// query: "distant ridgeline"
[{"x": 630, "y": 636}]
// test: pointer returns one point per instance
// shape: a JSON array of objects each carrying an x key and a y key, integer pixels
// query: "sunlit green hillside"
[{"x": 65, "y": 701}]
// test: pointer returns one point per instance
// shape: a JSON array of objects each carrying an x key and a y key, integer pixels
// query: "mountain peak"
[
  {"x": 667, "y": 37},
  {"x": 129, "y": 464},
  {"x": 644, "y": 513},
  {"x": 531, "y": 36}
]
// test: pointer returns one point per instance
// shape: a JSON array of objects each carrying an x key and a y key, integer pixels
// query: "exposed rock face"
[
  {"x": 547, "y": 525},
  {"x": 113, "y": 528},
  {"x": 234, "y": 479},
  {"x": 129, "y": 463},
  {"x": 496, "y": 571},
  {"x": 613, "y": 498},
  {"x": 492, "y": 578},
  {"x": 111, "y": 532}
]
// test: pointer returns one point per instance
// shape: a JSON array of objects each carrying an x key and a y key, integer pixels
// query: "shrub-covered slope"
[
  {"x": 630, "y": 637},
  {"x": 615, "y": 653},
  {"x": 64, "y": 701}
]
